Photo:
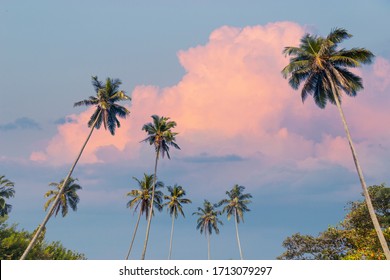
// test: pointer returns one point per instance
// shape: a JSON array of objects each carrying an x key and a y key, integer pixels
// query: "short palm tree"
[
  {"x": 207, "y": 221},
  {"x": 174, "y": 204},
  {"x": 161, "y": 136},
  {"x": 6, "y": 191},
  {"x": 141, "y": 199},
  {"x": 68, "y": 197},
  {"x": 236, "y": 205},
  {"x": 324, "y": 70},
  {"x": 107, "y": 95}
]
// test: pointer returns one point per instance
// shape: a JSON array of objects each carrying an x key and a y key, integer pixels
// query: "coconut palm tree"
[
  {"x": 141, "y": 199},
  {"x": 161, "y": 136},
  {"x": 325, "y": 72},
  {"x": 174, "y": 204},
  {"x": 207, "y": 221},
  {"x": 68, "y": 197},
  {"x": 107, "y": 95},
  {"x": 236, "y": 205},
  {"x": 6, "y": 191}
]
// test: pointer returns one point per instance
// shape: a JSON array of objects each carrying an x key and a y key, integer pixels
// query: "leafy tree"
[
  {"x": 141, "y": 199},
  {"x": 354, "y": 238},
  {"x": 207, "y": 221},
  {"x": 324, "y": 70},
  {"x": 6, "y": 191},
  {"x": 69, "y": 197},
  {"x": 329, "y": 245},
  {"x": 13, "y": 242},
  {"x": 236, "y": 205},
  {"x": 174, "y": 204},
  {"x": 161, "y": 136},
  {"x": 107, "y": 95}
]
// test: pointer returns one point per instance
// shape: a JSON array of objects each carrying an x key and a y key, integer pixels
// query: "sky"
[{"x": 213, "y": 67}]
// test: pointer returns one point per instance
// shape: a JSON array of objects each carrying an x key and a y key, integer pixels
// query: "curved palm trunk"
[
  {"x": 238, "y": 237},
  {"x": 151, "y": 205},
  {"x": 135, "y": 232},
  {"x": 46, "y": 219},
  {"x": 170, "y": 243},
  {"x": 371, "y": 210}
]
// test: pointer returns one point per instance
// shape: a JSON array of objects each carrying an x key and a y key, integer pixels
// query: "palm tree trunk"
[
  {"x": 135, "y": 232},
  {"x": 238, "y": 237},
  {"x": 170, "y": 243},
  {"x": 371, "y": 210},
  {"x": 151, "y": 205},
  {"x": 208, "y": 245},
  {"x": 46, "y": 219}
]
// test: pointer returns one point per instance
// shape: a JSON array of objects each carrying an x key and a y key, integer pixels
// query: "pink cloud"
[
  {"x": 66, "y": 144},
  {"x": 233, "y": 100}
]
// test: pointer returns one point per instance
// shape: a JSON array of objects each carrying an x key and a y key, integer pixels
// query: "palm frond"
[
  {"x": 337, "y": 35},
  {"x": 323, "y": 67}
]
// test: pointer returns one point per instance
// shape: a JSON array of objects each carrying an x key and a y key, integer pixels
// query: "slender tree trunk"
[
  {"x": 208, "y": 245},
  {"x": 135, "y": 232},
  {"x": 151, "y": 205},
  {"x": 46, "y": 219},
  {"x": 170, "y": 243},
  {"x": 238, "y": 237},
  {"x": 371, "y": 210}
]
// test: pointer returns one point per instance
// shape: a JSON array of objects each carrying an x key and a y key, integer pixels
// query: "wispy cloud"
[
  {"x": 20, "y": 123},
  {"x": 64, "y": 120},
  {"x": 205, "y": 158}
]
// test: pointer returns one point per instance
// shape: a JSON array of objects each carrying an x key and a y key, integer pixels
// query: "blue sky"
[{"x": 183, "y": 59}]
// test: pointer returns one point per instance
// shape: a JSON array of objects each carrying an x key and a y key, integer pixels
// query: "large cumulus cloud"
[{"x": 232, "y": 102}]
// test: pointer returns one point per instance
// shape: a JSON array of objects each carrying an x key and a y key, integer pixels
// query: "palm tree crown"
[
  {"x": 69, "y": 197},
  {"x": 236, "y": 203},
  {"x": 324, "y": 68},
  {"x": 208, "y": 218},
  {"x": 105, "y": 101},
  {"x": 160, "y": 134},
  {"x": 175, "y": 200},
  {"x": 142, "y": 195},
  {"x": 6, "y": 191}
]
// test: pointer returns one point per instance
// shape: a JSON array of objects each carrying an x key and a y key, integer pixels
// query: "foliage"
[
  {"x": 353, "y": 239},
  {"x": 160, "y": 134},
  {"x": 141, "y": 197},
  {"x": 6, "y": 191},
  {"x": 69, "y": 196},
  {"x": 13, "y": 242},
  {"x": 323, "y": 67},
  {"x": 236, "y": 203},
  {"x": 175, "y": 200},
  {"x": 208, "y": 218},
  {"x": 105, "y": 102}
]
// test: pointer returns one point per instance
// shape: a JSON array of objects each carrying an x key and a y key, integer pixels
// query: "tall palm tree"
[
  {"x": 106, "y": 112},
  {"x": 6, "y": 191},
  {"x": 141, "y": 199},
  {"x": 174, "y": 204},
  {"x": 236, "y": 205},
  {"x": 161, "y": 136},
  {"x": 68, "y": 197},
  {"x": 207, "y": 221},
  {"x": 324, "y": 70}
]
